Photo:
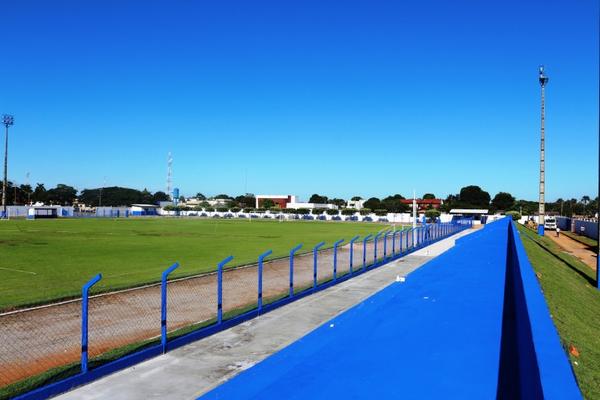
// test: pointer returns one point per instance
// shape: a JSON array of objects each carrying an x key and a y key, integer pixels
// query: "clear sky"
[{"x": 340, "y": 98}]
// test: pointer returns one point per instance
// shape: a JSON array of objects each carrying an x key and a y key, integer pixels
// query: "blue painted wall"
[
  {"x": 471, "y": 323},
  {"x": 564, "y": 223},
  {"x": 591, "y": 228}
]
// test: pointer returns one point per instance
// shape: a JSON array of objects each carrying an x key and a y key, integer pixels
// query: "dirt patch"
[{"x": 575, "y": 248}]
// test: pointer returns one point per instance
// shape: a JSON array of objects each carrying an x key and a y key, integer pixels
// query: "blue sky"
[{"x": 341, "y": 98}]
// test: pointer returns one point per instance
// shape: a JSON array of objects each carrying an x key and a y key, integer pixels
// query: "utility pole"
[
  {"x": 414, "y": 209},
  {"x": 598, "y": 216},
  {"x": 543, "y": 81},
  {"x": 7, "y": 120},
  {"x": 29, "y": 191}
]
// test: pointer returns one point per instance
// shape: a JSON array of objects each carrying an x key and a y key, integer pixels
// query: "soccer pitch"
[{"x": 47, "y": 260}]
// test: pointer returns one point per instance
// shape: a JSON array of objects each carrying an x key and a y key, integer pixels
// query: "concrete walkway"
[{"x": 192, "y": 370}]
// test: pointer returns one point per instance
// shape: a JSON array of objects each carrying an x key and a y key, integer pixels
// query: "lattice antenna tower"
[{"x": 169, "y": 174}]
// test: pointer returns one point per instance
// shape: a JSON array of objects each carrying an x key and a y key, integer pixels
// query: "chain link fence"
[{"x": 52, "y": 342}]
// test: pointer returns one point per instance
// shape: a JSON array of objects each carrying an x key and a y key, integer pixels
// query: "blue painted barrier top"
[
  {"x": 295, "y": 249},
  {"x": 336, "y": 244},
  {"x": 451, "y": 330}
]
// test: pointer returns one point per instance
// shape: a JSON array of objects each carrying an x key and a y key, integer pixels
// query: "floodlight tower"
[
  {"x": 543, "y": 82},
  {"x": 7, "y": 120}
]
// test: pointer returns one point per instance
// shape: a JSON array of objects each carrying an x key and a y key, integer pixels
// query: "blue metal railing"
[{"x": 422, "y": 236}]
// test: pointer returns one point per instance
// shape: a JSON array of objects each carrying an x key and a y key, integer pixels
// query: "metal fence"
[{"x": 75, "y": 337}]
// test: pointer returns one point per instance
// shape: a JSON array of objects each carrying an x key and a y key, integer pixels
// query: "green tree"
[
  {"x": 160, "y": 196},
  {"x": 61, "y": 194},
  {"x": 146, "y": 197},
  {"x": 318, "y": 199},
  {"x": 356, "y": 198},
  {"x": 27, "y": 191},
  {"x": 111, "y": 196},
  {"x": 428, "y": 196},
  {"x": 394, "y": 204},
  {"x": 200, "y": 196},
  {"x": 373, "y": 203},
  {"x": 514, "y": 215},
  {"x": 503, "y": 201},
  {"x": 247, "y": 200},
  {"x": 267, "y": 203},
  {"x": 39, "y": 194},
  {"x": 449, "y": 203},
  {"x": 338, "y": 202},
  {"x": 432, "y": 214},
  {"x": 474, "y": 197}
]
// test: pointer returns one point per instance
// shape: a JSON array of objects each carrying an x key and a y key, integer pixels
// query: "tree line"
[
  {"x": 67, "y": 195},
  {"x": 469, "y": 197}
]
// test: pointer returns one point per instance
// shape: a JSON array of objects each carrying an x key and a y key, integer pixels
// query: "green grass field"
[
  {"x": 46, "y": 260},
  {"x": 574, "y": 302}
]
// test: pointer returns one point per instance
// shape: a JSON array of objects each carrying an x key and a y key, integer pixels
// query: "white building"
[
  {"x": 356, "y": 204},
  {"x": 311, "y": 205}
]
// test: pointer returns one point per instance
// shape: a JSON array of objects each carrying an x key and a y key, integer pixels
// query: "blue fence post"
[
  {"x": 84, "y": 321},
  {"x": 354, "y": 239},
  {"x": 315, "y": 256},
  {"x": 394, "y": 243},
  {"x": 364, "y": 266},
  {"x": 400, "y": 242},
  {"x": 220, "y": 288},
  {"x": 335, "y": 246},
  {"x": 385, "y": 235},
  {"x": 163, "y": 306},
  {"x": 292, "y": 252},
  {"x": 260, "y": 275},
  {"x": 375, "y": 247}
]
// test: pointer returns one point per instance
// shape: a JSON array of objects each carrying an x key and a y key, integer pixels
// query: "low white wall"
[
  {"x": 22, "y": 211},
  {"x": 398, "y": 218}
]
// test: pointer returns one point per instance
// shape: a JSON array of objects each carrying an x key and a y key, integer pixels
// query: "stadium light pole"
[
  {"x": 8, "y": 120},
  {"x": 543, "y": 82}
]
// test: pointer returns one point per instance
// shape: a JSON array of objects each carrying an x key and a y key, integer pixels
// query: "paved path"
[
  {"x": 192, "y": 370},
  {"x": 575, "y": 248}
]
